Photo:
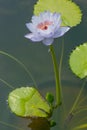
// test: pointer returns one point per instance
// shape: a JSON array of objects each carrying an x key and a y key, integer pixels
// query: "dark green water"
[{"x": 13, "y": 16}]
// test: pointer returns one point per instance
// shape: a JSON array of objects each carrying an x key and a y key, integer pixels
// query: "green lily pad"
[
  {"x": 70, "y": 12},
  {"x": 78, "y": 61},
  {"x": 27, "y": 102}
]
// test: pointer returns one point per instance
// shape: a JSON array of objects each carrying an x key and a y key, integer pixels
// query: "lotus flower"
[{"x": 46, "y": 27}]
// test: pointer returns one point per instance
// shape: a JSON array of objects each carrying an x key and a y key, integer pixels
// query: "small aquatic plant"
[{"x": 47, "y": 23}]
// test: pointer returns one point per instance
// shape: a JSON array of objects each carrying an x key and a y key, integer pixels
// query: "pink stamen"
[{"x": 44, "y": 25}]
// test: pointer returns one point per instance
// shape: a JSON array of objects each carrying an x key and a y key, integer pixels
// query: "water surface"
[{"x": 13, "y": 16}]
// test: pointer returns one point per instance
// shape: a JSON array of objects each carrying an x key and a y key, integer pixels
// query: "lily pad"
[
  {"x": 70, "y": 12},
  {"x": 27, "y": 102},
  {"x": 78, "y": 61}
]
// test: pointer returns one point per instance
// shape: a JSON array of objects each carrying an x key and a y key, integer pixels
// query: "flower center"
[{"x": 44, "y": 25}]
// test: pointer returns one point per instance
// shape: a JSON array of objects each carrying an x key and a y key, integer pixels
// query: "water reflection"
[{"x": 39, "y": 124}]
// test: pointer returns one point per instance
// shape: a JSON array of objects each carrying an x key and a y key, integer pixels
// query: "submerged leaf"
[
  {"x": 83, "y": 126},
  {"x": 27, "y": 102},
  {"x": 71, "y": 13},
  {"x": 78, "y": 61},
  {"x": 39, "y": 123}
]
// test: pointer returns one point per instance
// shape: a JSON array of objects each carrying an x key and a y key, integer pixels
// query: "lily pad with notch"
[
  {"x": 28, "y": 102},
  {"x": 78, "y": 61}
]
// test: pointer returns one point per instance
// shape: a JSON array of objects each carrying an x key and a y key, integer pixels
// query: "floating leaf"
[
  {"x": 27, "y": 102},
  {"x": 71, "y": 13},
  {"x": 78, "y": 61}
]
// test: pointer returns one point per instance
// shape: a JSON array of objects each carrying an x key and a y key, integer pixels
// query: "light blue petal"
[
  {"x": 31, "y": 27},
  {"x": 56, "y": 17},
  {"x": 46, "y": 33},
  {"x": 48, "y": 41},
  {"x": 61, "y": 31},
  {"x": 45, "y": 16},
  {"x": 33, "y": 37},
  {"x": 35, "y": 19},
  {"x": 57, "y": 21}
]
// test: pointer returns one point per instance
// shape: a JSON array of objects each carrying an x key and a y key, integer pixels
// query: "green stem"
[
  {"x": 78, "y": 98},
  {"x": 74, "y": 110},
  {"x": 6, "y": 83},
  {"x": 20, "y": 63},
  {"x": 10, "y": 125},
  {"x": 56, "y": 71}
]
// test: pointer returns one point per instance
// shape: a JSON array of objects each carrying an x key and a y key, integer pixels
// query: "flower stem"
[{"x": 56, "y": 71}]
